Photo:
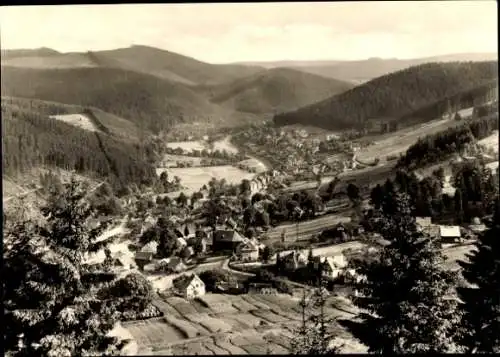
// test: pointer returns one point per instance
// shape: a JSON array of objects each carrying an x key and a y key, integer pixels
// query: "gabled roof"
[
  {"x": 151, "y": 247},
  {"x": 183, "y": 282},
  {"x": 228, "y": 235},
  {"x": 449, "y": 231}
]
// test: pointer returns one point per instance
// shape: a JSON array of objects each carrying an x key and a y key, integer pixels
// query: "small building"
[
  {"x": 332, "y": 266},
  {"x": 176, "y": 265},
  {"x": 294, "y": 260},
  {"x": 226, "y": 239},
  {"x": 248, "y": 251},
  {"x": 181, "y": 243},
  {"x": 189, "y": 286},
  {"x": 423, "y": 223},
  {"x": 151, "y": 247},
  {"x": 449, "y": 234},
  {"x": 143, "y": 258}
]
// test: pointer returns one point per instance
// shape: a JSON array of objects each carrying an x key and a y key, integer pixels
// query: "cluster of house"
[
  {"x": 332, "y": 267},
  {"x": 448, "y": 234}
]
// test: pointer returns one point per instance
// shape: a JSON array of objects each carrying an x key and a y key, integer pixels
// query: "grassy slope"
[
  {"x": 147, "y": 101},
  {"x": 275, "y": 90},
  {"x": 394, "y": 95}
]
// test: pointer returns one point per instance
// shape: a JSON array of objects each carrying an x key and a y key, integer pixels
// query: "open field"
[
  {"x": 225, "y": 144},
  {"x": 231, "y": 324},
  {"x": 398, "y": 142},
  {"x": 193, "y": 178},
  {"x": 79, "y": 120}
]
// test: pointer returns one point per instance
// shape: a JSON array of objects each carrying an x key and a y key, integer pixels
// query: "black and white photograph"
[{"x": 259, "y": 178}]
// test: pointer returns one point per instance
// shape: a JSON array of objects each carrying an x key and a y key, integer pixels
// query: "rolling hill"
[
  {"x": 148, "y": 101},
  {"x": 143, "y": 59},
  {"x": 274, "y": 90},
  {"x": 364, "y": 70},
  {"x": 395, "y": 96}
]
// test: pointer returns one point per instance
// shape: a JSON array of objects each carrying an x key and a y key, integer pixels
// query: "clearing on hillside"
[
  {"x": 78, "y": 120},
  {"x": 398, "y": 142}
]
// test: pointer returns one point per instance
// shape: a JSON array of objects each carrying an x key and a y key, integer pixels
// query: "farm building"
[
  {"x": 189, "y": 286},
  {"x": 449, "y": 234},
  {"x": 226, "y": 239}
]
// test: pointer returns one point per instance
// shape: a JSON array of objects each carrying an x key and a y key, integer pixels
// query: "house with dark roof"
[
  {"x": 143, "y": 258},
  {"x": 189, "y": 286},
  {"x": 226, "y": 239}
]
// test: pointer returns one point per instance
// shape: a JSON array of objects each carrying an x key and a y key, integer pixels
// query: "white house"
[
  {"x": 333, "y": 266},
  {"x": 189, "y": 286},
  {"x": 248, "y": 251}
]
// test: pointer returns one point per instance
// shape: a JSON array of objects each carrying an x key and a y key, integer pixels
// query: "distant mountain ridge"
[
  {"x": 274, "y": 90},
  {"x": 143, "y": 59},
  {"x": 357, "y": 71},
  {"x": 396, "y": 96}
]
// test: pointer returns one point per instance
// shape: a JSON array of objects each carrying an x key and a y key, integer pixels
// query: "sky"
[{"x": 224, "y": 33}]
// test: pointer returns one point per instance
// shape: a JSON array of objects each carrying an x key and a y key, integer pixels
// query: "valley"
[{"x": 215, "y": 200}]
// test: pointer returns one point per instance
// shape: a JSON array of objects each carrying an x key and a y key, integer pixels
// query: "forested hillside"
[
  {"x": 437, "y": 147},
  {"x": 275, "y": 90},
  {"x": 30, "y": 138},
  {"x": 149, "y": 102},
  {"x": 395, "y": 95}
]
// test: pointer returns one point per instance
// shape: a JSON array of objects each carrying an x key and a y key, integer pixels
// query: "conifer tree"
[
  {"x": 49, "y": 308},
  {"x": 407, "y": 294},
  {"x": 481, "y": 300}
]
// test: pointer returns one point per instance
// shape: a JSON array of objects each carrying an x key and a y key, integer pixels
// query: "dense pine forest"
[
  {"x": 396, "y": 95},
  {"x": 30, "y": 138},
  {"x": 439, "y": 146}
]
